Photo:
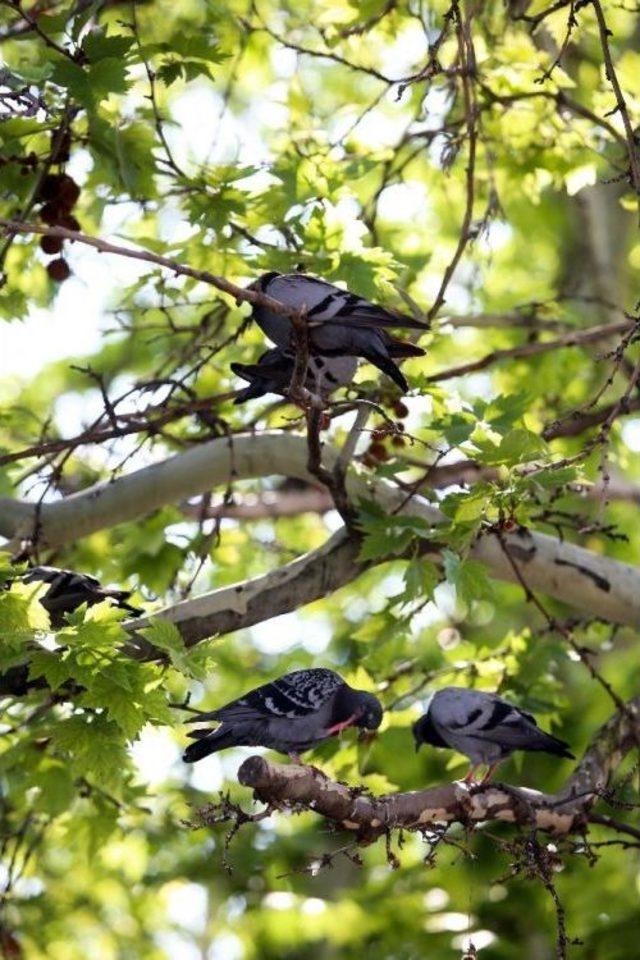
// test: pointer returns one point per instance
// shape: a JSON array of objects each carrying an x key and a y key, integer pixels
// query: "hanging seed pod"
[
  {"x": 49, "y": 187},
  {"x": 379, "y": 451},
  {"x": 58, "y": 270},
  {"x": 50, "y": 214},
  {"x": 51, "y": 244},
  {"x": 68, "y": 192},
  {"x": 69, "y": 222}
]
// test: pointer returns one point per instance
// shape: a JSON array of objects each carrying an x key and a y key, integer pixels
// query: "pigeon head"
[
  {"x": 424, "y": 731},
  {"x": 258, "y": 385},
  {"x": 357, "y": 708},
  {"x": 368, "y": 709},
  {"x": 260, "y": 285},
  {"x": 263, "y": 281}
]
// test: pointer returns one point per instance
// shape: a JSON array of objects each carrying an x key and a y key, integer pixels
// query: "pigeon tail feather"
[
  {"x": 551, "y": 744},
  {"x": 402, "y": 348},
  {"x": 387, "y": 366},
  {"x": 207, "y": 743},
  {"x": 121, "y": 597}
]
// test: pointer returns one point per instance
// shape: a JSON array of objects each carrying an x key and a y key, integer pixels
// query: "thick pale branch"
[
  {"x": 597, "y": 585},
  {"x": 300, "y": 787},
  {"x": 307, "y": 578},
  {"x": 279, "y": 504}
]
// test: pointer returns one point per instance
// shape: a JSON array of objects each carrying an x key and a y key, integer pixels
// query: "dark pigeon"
[
  {"x": 290, "y": 715},
  {"x": 340, "y": 323},
  {"x": 69, "y": 590},
  {"x": 484, "y": 727},
  {"x": 274, "y": 370}
]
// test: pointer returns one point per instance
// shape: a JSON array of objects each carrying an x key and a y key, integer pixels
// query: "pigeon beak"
[{"x": 367, "y": 736}]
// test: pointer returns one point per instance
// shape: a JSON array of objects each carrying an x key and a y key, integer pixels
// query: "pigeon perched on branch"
[
  {"x": 339, "y": 323},
  {"x": 484, "y": 727},
  {"x": 290, "y": 715},
  {"x": 69, "y": 590},
  {"x": 274, "y": 370}
]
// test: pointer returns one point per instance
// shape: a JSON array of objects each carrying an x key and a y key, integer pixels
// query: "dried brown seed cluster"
[
  {"x": 58, "y": 194},
  {"x": 389, "y": 435}
]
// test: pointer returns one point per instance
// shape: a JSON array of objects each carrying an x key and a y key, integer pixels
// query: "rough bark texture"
[{"x": 297, "y": 787}]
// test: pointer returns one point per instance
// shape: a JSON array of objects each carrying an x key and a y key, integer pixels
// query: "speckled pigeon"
[
  {"x": 290, "y": 715},
  {"x": 274, "y": 370},
  {"x": 69, "y": 590},
  {"x": 484, "y": 727},
  {"x": 340, "y": 323}
]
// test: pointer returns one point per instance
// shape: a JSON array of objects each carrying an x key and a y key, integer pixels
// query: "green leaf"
[
  {"x": 169, "y": 72},
  {"x": 133, "y": 146},
  {"x": 421, "y": 577},
  {"x": 56, "y": 789},
  {"x": 120, "y": 705},
  {"x": 386, "y": 534},
  {"x": 164, "y": 635},
  {"x": 74, "y": 79},
  {"x": 517, "y": 446},
  {"x": 468, "y": 577},
  {"x": 56, "y": 668},
  {"x": 107, "y": 76},
  {"x": 94, "y": 747},
  {"x": 98, "y": 46}
]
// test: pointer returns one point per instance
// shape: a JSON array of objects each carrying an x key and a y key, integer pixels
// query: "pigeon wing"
[
  {"x": 326, "y": 303},
  {"x": 485, "y": 716},
  {"x": 292, "y": 696},
  {"x": 62, "y": 581}
]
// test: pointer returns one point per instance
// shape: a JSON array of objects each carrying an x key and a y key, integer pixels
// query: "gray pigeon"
[
  {"x": 340, "y": 323},
  {"x": 69, "y": 590},
  {"x": 290, "y": 715},
  {"x": 484, "y": 727},
  {"x": 274, "y": 370}
]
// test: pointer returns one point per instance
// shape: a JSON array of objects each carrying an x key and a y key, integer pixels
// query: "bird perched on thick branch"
[
  {"x": 339, "y": 323},
  {"x": 69, "y": 590},
  {"x": 290, "y": 715},
  {"x": 483, "y": 726},
  {"x": 274, "y": 370}
]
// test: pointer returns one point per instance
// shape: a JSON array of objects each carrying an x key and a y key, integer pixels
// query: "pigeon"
[
  {"x": 340, "y": 323},
  {"x": 484, "y": 727},
  {"x": 290, "y": 715},
  {"x": 69, "y": 590},
  {"x": 274, "y": 370}
]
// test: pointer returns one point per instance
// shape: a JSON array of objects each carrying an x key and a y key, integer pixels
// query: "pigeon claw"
[
  {"x": 470, "y": 778},
  {"x": 470, "y": 775},
  {"x": 490, "y": 772}
]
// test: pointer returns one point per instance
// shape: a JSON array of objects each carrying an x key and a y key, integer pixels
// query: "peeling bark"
[
  {"x": 296, "y": 787},
  {"x": 597, "y": 585}
]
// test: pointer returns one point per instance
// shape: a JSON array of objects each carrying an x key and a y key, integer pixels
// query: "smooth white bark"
[{"x": 596, "y": 585}]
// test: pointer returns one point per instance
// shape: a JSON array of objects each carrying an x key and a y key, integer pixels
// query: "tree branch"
[
  {"x": 178, "y": 269},
  {"x": 272, "y": 504},
  {"x": 574, "y": 338},
  {"x": 298, "y": 787},
  {"x": 596, "y": 584},
  {"x": 305, "y": 579},
  {"x": 580, "y": 420}
]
